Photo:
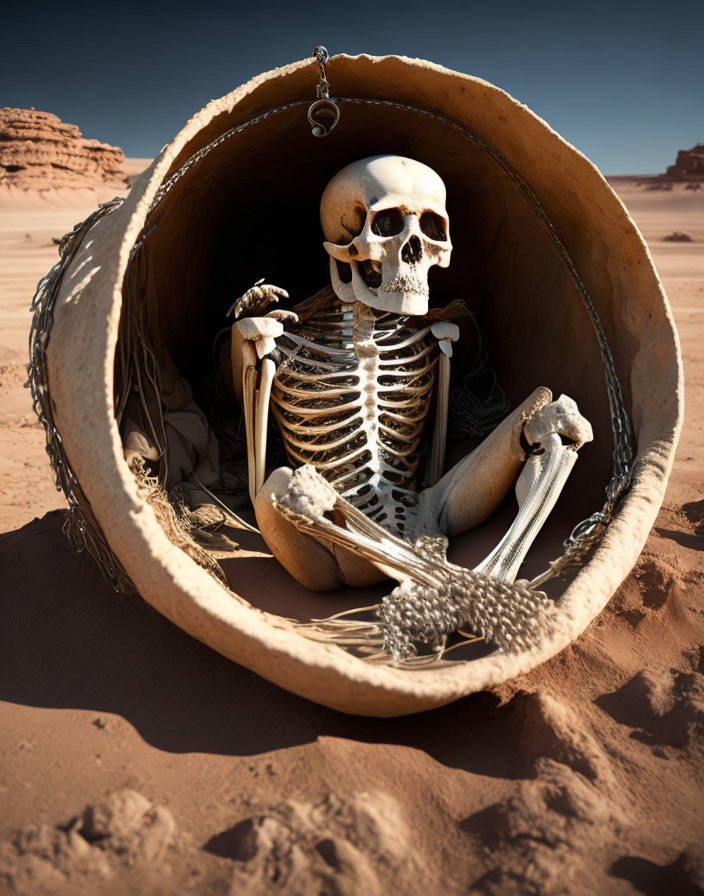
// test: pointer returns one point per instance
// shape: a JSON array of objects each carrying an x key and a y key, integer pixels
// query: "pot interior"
[{"x": 249, "y": 209}]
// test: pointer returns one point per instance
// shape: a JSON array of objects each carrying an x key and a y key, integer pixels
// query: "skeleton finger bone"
[
  {"x": 540, "y": 483},
  {"x": 283, "y": 315},
  {"x": 257, "y": 299}
]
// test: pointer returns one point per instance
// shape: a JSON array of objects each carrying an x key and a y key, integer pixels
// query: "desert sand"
[{"x": 134, "y": 759}]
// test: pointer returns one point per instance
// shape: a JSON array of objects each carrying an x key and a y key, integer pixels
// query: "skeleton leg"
[
  {"x": 434, "y": 597},
  {"x": 255, "y": 405},
  {"x": 313, "y": 561},
  {"x": 466, "y": 495},
  {"x": 540, "y": 483},
  {"x": 470, "y": 492}
]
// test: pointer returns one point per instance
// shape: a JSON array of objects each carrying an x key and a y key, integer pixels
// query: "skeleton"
[{"x": 354, "y": 388}]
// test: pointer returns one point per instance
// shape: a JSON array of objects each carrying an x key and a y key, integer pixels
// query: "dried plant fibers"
[{"x": 151, "y": 280}]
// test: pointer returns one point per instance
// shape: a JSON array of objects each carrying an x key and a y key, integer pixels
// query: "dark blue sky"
[{"x": 623, "y": 81}]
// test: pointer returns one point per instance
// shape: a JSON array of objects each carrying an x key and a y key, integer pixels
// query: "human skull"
[{"x": 385, "y": 226}]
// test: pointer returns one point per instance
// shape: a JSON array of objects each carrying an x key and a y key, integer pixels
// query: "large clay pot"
[{"x": 201, "y": 246}]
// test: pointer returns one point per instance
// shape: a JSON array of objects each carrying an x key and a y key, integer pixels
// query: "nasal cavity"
[
  {"x": 412, "y": 252},
  {"x": 344, "y": 271}
]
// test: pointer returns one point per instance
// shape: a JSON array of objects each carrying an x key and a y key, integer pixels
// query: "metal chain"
[
  {"x": 324, "y": 113},
  {"x": 197, "y": 157},
  {"x": 82, "y": 529},
  {"x": 587, "y": 534},
  {"x": 323, "y": 57}
]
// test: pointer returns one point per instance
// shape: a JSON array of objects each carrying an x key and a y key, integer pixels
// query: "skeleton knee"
[{"x": 276, "y": 485}]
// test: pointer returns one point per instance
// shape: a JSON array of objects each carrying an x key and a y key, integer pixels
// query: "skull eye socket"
[
  {"x": 353, "y": 222},
  {"x": 388, "y": 222},
  {"x": 433, "y": 226}
]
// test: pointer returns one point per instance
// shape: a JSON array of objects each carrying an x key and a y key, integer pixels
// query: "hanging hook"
[{"x": 324, "y": 113}]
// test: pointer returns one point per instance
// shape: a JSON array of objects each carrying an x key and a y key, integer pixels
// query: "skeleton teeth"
[{"x": 406, "y": 283}]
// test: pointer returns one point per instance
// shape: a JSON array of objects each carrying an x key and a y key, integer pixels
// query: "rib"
[{"x": 350, "y": 396}]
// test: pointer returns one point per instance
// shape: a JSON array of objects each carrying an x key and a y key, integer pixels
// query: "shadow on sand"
[{"x": 67, "y": 640}]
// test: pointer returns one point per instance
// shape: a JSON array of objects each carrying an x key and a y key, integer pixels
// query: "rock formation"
[
  {"x": 40, "y": 152},
  {"x": 689, "y": 165}
]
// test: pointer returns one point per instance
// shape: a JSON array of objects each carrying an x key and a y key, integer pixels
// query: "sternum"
[
  {"x": 350, "y": 397},
  {"x": 367, "y": 353}
]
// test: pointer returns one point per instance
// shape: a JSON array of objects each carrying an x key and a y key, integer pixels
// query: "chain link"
[
  {"x": 323, "y": 57},
  {"x": 324, "y": 113}
]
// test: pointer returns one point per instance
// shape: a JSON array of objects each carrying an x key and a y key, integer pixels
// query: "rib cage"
[{"x": 350, "y": 396}]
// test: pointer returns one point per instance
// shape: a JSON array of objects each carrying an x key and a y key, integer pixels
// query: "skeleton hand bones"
[{"x": 262, "y": 331}]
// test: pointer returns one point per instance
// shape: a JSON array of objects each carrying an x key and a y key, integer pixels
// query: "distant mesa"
[
  {"x": 40, "y": 152},
  {"x": 689, "y": 165},
  {"x": 687, "y": 170}
]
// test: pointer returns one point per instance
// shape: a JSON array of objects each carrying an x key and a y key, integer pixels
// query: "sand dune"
[{"x": 133, "y": 759}]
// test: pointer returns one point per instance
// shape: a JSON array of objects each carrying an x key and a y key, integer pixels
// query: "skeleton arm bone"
[
  {"x": 446, "y": 333},
  {"x": 253, "y": 339},
  {"x": 541, "y": 481},
  {"x": 253, "y": 374},
  {"x": 469, "y": 492}
]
